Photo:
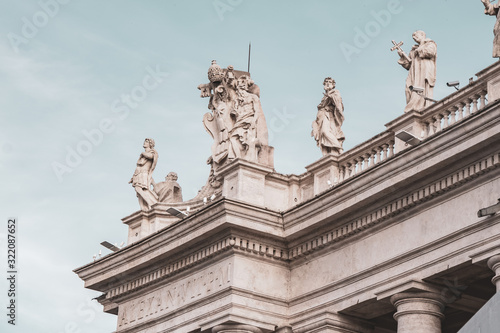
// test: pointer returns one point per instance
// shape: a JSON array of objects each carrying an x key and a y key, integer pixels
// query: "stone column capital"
[
  {"x": 235, "y": 328},
  {"x": 494, "y": 265},
  {"x": 418, "y": 311},
  {"x": 494, "y": 262}
]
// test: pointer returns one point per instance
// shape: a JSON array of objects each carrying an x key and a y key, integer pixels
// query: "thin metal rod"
[{"x": 249, "y": 48}]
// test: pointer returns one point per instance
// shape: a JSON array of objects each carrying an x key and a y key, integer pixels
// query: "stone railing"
[
  {"x": 435, "y": 118},
  {"x": 366, "y": 155},
  {"x": 455, "y": 107}
]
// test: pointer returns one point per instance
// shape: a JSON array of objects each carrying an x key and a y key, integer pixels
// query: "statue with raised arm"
[
  {"x": 143, "y": 175},
  {"x": 493, "y": 10},
  {"x": 421, "y": 66},
  {"x": 326, "y": 129}
]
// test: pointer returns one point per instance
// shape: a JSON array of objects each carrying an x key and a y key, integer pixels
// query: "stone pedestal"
[
  {"x": 494, "y": 265},
  {"x": 410, "y": 123},
  {"x": 325, "y": 172},
  {"x": 418, "y": 312},
  {"x": 235, "y": 328}
]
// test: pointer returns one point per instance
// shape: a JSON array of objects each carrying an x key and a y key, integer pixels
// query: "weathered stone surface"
[{"x": 327, "y": 250}]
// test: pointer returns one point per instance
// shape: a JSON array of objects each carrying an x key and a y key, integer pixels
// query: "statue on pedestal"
[
  {"x": 326, "y": 129},
  {"x": 236, "y": 123},
  {"x": 493, "y": 10},
  {"x": 143, "y": 175},
  {"x": 421, "y": 66}
]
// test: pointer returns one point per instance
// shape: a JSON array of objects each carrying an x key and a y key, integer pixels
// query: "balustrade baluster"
[
  {"x": 467, "y": 107},
  {"x": 453, "y": 111},
  {"x": 357, "y": 166},
  {"x": 368, "y": 160},
  {"x": 483, "y": 98},
  {"x": 446, "y": 122},
  {"x": 460, "y": 108},
  {"x": 391, "y": 148},
  {"x": 362, "y": 165},
  {"x": 341, "y": 173},
  {"x": 384, "y": 150},
  {"x": 474, "y": 103},
  {"x": 375, "y": 157},
  {"x": 434, "y": 125},
  {"x": 349, "y": 170}
]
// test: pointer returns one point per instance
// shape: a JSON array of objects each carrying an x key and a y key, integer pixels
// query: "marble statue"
[
  {"x": 142, "y": 178},
  {"x": 493, "y": 10},
  {"x": 169, "y": 190},
  {"x": 326, "y": 129},
  {"x": 249, "y": 130},
  {"x": 236, "y": 123},
  {"x": 421, "y": 66}
]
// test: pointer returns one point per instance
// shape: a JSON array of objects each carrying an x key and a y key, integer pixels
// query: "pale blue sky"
[{"x": 66, "y": 75}]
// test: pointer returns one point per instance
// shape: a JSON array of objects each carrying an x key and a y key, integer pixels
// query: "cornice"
[
  {"x": 234, "y": 244},
  {"x": 180, "y": 236},
  {"x": 374, "y": 289},
  {"x": 398, "y": 206}
]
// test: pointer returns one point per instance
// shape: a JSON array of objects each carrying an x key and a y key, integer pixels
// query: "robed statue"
[
  {"x": 326, "y": 129},
  {"x": 421, "y": 66}
]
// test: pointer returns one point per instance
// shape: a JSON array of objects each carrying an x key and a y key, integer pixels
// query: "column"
[
  {"x": 418, "y": 312},
  {"x": 235, "y": 328},
  {"x": 494, "y": 265}
]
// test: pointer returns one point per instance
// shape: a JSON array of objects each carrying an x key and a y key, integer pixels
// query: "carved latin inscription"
[{"x": 173, "y": 296}]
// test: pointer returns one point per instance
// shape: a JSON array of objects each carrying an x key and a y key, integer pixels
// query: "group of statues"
[
  {"x": 236, "y": 121},
  {"x": 238, "y": 126}
]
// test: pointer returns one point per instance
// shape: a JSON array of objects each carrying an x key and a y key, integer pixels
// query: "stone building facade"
[{"x": 384, "y": 237}]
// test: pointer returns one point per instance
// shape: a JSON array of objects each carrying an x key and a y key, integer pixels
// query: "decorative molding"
[
  {"x": 436, "y": 188},
  {"x": 240, "y": 244},
  {"x": 263, "y": 250}
]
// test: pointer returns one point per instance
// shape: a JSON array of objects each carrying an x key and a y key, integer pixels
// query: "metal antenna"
[{"x": 249, "y": 48}]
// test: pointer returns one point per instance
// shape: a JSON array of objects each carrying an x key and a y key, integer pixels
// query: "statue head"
[
  {"x": 172, "y": 176},
  {"x": 244, "y": 82},
  {"x": 149, "y": 143},
  {"x": 418, "y": 36},
  {"x": 329, "y": 83},
  {"x": 229, "y": 73}
]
